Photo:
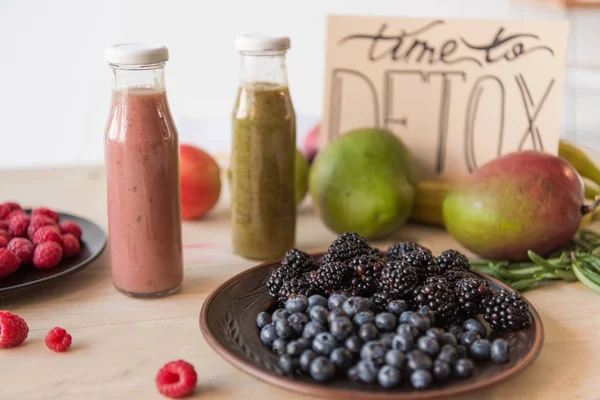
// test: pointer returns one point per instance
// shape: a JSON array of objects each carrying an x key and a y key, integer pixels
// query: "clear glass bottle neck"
[
  {"x": 263, "y": 67},
  {"x": 150, "y": 77}
]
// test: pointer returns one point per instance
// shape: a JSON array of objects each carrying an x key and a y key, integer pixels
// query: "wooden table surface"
[{"x": 119, "y": 343}]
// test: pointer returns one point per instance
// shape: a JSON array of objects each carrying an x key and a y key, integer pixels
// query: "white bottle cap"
[
  {"x": 136, "y": 54},
  {"x": 261, "y": 43}
]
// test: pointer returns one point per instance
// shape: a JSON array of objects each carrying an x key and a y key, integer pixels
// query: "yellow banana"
[
  {"x": 579, "y": 160},
  {"x": 428, "y": 202},
  {"x": 591, "y": 190}
]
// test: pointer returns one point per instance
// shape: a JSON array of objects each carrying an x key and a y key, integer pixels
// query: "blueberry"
[
  {"x": 389, "y": 376},
  {"x": 448, "y": 338},
  {"x": 366, "y": 371},
  {"x": 397, "y": 307},
  {"x": 288, "y": 364},
  {"x": 386, "y": 322},
  {"x": 268, "y": 335},
  {"x": 480, "y": 349},
  {"x": 354, "y": 344},
  {"x": 464, "y": 368},
  {"x": 416, "y": 359},
  {"x": 428, "y": 312},
  {"x": 337, "y": 313},
  {"x": 441, "y": 370},
  {"x": 312, "y": 329},
  {"x": 461, "y": 351},
  {"x": 395, "y": 358},
  {"x": 324, "y": 343},
  {"x": 321, "y": 369},
  {"x": 364, "y": 317},
  {"x": 386, "y": 339},
  {"x": 428, "y": 345},
  {"x": 278, "y": 314},
  {"x": 421, "y": 379},
  {"x": 341, "y": 358},
  {"x": 373, "y": 352},
  {"x": 306, "y": 358},
  {"x": 306, "y": 343},
  {"x": 279, "y": 345},
  {"x": 319, "y": 314},
  {"x": 263, "y": 319},
  {"x": 407, "y": 330},
  {"x": 405, "y": 316},
  {"x": 448, "y": 354},
  {"x": 317, "y": 300},
  {"x": 469, "y": 337},
  {"x": 403, "y": 343},
  {"x": 355, "y": 304},
  {"x": 419, "y": 321},
  {"x": 435, "y": 333},
  {"x": 298, "y": 322},
  {"x": 499, "y": 351},
  {"x": 456, "y": 330},
  {"x": 335, "y": 301},
  {"x": 295, "y": 348},
  {"x": 341, "y": 328},
  {"x": 352, "y": 373},
  {"x": 368, "y": 332},
  {"x": 284, "y": 329},
  {"x": 474, "y": 325},
  {"x": 296, "y": 303}
]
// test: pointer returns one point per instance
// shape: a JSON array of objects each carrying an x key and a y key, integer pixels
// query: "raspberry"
[
  {"x": 3, "y": 242},
  {"x": 46, "y": 212},
  {"x": 13, "y": 330},
  {"x": 23, "y": 248},
  {"x": 36, "y": 223},
  {"x": 70, "y": 227},
  {"x": 18, "y": 225},
  {"x": 6, "y": 209},
  {"x": 49, "y": 233},
  {"x": 4, "y": 224},
  {"x": 15, "y": 213},
  {"x": 176, "y": 379},
  {"x": 9, "y": 262},
  {"x": 5, "y": 235},
  {"x": 58, "y": 340},
  {"x": 47, "y": 255},
  {"x": 70, "y": 245}
]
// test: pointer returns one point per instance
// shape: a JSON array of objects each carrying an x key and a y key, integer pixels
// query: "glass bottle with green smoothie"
[{"x": 263, "y": 210}]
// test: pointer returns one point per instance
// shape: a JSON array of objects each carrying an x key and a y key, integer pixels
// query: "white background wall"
[{"x": 55, "y": 90}]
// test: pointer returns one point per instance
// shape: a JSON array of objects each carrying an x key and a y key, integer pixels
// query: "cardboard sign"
[{"x": 457, "y": 92}]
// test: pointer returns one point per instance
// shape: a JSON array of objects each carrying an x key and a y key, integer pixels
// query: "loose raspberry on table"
[
  {"x": 23, "y": 248},
  {"x": 176, "y": 379},
  {"x": 58, "y": 340},
  {"x": 4, "y": 224},
  {"x": 18, "y": 225},
  {"x": 9, "y": 262},
  {"x": 48, "y": 233},
  {"x": 70, "y": 227},
  {"x": 70, "y": 245},
  {"x": 47, "y": 255},
  {"x": 36, "y": 223},
  {"x": 7, "y": 208},
  {"x": 53, "y": 215},
  {"x": 13, "y": 330},
  {"x": 5, "y": 235},
  {"x": 3, "y": 242}
]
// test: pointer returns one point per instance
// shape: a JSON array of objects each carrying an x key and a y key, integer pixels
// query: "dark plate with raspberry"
[
  {"x": 41, "y": 245},
  {"x": 359, "y": 323}
]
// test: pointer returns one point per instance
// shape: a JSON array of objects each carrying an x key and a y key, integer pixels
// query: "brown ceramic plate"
[{"x": 228, "y": 323}]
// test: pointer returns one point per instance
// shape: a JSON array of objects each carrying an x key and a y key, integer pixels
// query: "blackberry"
[
  {"x": 295, "y": 285},
  {"x": 346, "y": 247},
  {"x": 455, "y": 275},
  {"x": 424, "y": 262},
  {"x": 398, "y": 279},
  {"x": 375, "y": 252},
  {"x": 381, "y": 300},
  {"x": 331, "y": 277},
  {"x": 298, "y": 261},
  {"x": 506, "y": 311},
  {"x": 397, "y": 250},
  {"x": 470, "y": 293},
  {"x": 367, "y": 270},
  {"x": 451, "y": 260},
  {"x": 277, "y": 278},
  {"x": 442, "y": 301}
]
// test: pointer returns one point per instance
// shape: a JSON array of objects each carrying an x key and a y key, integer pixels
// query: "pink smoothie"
[{"x": 142, "y": 166}]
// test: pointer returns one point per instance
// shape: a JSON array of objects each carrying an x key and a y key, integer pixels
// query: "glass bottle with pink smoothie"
[{"x": 142, "y": 167}]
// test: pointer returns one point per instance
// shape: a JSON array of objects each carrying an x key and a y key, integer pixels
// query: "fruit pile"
[{"x": 39, "y": 238}]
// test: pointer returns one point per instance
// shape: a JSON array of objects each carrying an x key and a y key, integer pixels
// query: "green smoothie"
[{"x": 263, "y": 207}]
